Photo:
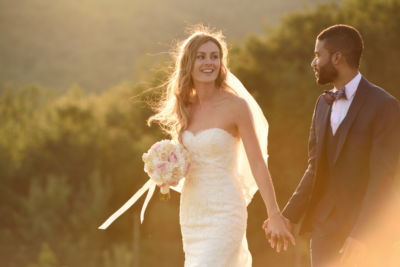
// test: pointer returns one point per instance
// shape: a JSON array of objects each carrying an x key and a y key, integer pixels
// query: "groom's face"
[{"x": 322, "y": 65}]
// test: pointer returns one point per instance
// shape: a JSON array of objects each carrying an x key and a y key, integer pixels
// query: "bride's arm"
[{"x": 260, "y": 171}]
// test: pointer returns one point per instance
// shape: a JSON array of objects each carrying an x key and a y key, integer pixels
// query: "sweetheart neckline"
[{"x": 208, "y": 129}]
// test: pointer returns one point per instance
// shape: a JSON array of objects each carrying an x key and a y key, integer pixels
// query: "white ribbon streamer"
[
  {"x": 146, "y": 201},
  {"x": 149, "y": 186}
]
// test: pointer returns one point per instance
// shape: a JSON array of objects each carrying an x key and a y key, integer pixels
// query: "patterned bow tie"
[{"x": 331, "y": 96}]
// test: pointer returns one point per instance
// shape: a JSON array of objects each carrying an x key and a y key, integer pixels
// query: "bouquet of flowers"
[{"x": 166, "y": 162}]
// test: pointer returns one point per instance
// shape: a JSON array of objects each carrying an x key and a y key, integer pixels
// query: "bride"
[{"x": 210, "y": 112}]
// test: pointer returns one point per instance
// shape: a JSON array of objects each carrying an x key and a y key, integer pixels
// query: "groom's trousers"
[
  {"x": 325, "y": 248},
  {"x": 329, "y": 235},
  {"x": 327, "y": 238}
]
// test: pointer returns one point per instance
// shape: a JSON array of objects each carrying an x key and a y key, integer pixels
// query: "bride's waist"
[
  {"x": 211, "y": 187},
  {"x": 199, "y": 172},
  {"x": 211, "y": 177}
]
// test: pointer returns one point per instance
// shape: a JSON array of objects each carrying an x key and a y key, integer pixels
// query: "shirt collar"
[{"x": 351, "y": 86}]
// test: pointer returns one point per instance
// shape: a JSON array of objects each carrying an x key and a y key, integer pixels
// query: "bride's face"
[{"x": 207, "y": 63}]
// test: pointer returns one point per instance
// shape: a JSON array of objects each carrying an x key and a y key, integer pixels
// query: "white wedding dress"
[
  {"x": 215, "y": 192},
  {"x": 213, "y": 214}
]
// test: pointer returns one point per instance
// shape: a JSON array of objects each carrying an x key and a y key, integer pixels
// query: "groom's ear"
[{"x": 337, "y": 58}]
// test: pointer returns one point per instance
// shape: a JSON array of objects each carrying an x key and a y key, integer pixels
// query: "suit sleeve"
[
  {"x": 299, "y": 201},
  {"x": 384, "y": 159}
]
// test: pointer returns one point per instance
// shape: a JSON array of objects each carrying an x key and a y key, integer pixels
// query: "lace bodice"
[{"x": 211, "y": 149}]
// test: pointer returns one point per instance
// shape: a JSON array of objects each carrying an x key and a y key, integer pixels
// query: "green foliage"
[
  {"x": 68, "y": 160},
  {"x": 46, "y": 258}
]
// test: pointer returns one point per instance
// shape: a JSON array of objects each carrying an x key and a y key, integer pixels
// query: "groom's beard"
[{"x": 327, "y": 73}]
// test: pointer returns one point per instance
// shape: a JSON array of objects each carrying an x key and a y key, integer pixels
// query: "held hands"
[{"x": 278, "y": 232}]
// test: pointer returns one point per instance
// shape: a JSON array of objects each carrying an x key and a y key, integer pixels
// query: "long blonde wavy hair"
[{"x": 172, "y": 111}]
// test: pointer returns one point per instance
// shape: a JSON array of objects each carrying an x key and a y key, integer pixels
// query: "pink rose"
[
  {"x": 161, "y": 167},
  {"x": 172, "y": 157}
]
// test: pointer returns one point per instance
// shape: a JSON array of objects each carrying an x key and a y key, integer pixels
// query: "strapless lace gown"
[{"x": 213, "y": 214}]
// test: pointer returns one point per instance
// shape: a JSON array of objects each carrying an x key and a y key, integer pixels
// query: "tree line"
[{"x": 70, "y": 159}]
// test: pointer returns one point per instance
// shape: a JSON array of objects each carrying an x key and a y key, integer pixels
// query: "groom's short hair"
[{"x": 345, "y": 39}]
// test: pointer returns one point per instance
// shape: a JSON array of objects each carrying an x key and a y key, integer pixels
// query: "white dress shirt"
[{"x": 341, "y": 107}]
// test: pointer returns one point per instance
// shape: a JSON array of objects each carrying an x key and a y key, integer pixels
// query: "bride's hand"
[
  {"x": 278, "y": 232},
  {"x": 173, "y": 183}
]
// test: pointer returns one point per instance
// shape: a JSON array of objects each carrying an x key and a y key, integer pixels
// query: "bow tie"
[{"x": 331, "y": 96}]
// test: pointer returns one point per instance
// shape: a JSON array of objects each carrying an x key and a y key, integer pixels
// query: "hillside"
[{"x": 99, "y": 43}]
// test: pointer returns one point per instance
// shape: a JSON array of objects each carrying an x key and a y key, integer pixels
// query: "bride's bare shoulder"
[{"x": 235, "y": 103}]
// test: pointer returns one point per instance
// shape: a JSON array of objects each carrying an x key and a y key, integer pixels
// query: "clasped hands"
[{"x": 278, "y": 231}]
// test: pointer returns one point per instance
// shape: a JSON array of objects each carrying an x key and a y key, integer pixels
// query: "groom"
[{"x": 354, "y": 146}]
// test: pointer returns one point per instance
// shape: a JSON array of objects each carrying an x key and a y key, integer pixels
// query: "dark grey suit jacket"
[{"x": 365, "y": 162}]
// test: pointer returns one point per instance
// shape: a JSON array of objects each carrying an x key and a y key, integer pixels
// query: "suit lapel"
[
  {"x": 322, "y": 123},
  {"x": 354, "y": 108}
]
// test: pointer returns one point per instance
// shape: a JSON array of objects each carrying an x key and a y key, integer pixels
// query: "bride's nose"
[{"x": 208, "y": 61}]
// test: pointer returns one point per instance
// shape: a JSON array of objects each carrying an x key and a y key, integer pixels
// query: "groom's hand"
[{"x": 353, "y": 251}]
